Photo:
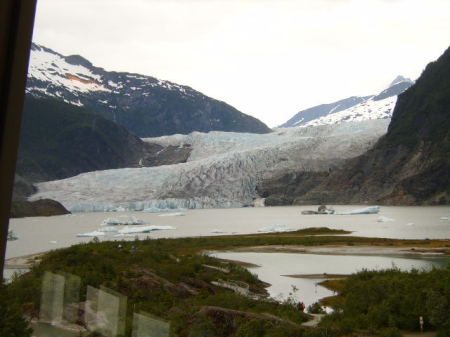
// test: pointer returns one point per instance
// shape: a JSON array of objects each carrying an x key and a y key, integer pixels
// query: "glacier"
[{"x": 222, "y": 170}]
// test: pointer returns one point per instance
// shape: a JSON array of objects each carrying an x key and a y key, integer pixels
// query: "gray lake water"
[
  {"x": 273, "y": 267},
  {"x": 40, "y": 234}
]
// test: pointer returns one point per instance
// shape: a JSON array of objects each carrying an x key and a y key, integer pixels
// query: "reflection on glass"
[
  {"x": 105, "y": 311},
  {"x": 90, "y": 308},
  {"x": 71, "y": 298},
  {"x": 52, "y": 300},
  {"x": 145, "y": 325}
]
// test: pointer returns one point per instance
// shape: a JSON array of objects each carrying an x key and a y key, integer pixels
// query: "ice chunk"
[
  {"x": 384, "y": 219},
  {"x": 122, "y": 220},
  {"x": 172, "y": 214},
  {"x": 143, "y": 229},
  {"x": 445, "y": 218},
  {"x": 108, "y": 229},
  {"x": 91, "y": 234},
  {"x": 218, "y": 231},
  {"x": 366, "y": 210},
  {"x": 161, "y": 210},
  {"x": 276, "y": 228},
  {"x": 11, "y": 236}
]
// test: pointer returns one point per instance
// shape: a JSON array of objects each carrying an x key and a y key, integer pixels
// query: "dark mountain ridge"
[{"x": 59, "y": 140}]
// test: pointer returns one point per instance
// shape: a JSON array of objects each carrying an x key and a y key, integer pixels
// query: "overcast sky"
[{"x": 267, "y": 58}]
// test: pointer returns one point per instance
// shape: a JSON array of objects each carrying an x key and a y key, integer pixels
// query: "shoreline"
[
  {"x": 442, "y": 250},
  {"x": 22, "y": 262}
]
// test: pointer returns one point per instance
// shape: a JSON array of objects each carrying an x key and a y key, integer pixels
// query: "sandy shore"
[
  {"x": 22, "y": 262},
  {"x": 438, "y": 249}
]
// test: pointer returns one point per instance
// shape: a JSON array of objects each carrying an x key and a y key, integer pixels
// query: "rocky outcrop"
[
  {"x": 219, "y": 315},
  {"x": 158, "y": 155},
  {"x": 281, "y": 190},
  {"x": 43, "y": 207},
  {"x": 22, "y": 188}
]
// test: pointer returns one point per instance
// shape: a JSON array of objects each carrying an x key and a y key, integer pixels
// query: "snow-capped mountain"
[
  {"x": 223, "y": 168},
  {"x": 353, "y": 108},
  {"x": 145, "y": 105}
]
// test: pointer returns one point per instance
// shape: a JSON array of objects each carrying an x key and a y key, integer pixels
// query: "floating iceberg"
[
  {"x": 143, "y": 229},
  {"x": 91, "y": 234},
  {"x": 366, "y": 210},
  {"x": 276, "y": 228},
  {"x": 172, "y": 214},
  {"x": 11, "y": 236},
  {"x": 122, "y": 220},
  {"x": 445, "y": 218},
  {"x": 384, "y": 219},
  {"x": 108, "y": 229}
]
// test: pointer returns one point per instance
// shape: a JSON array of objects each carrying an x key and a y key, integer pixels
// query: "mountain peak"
[
  {"x": 400, "y": 79},
  {"x": 78, "y": 60}
]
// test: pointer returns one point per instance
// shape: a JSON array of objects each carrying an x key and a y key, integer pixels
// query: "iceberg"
[
  {"x": 445, "y": 218},
  {"x": 172, "y": 214},
  {"x": 276, "y": 228},
  {"x": 108, "y": 229},
  {"x": 384, "y": 219},
  {"x": 366, "y": 210},
  {"x": 122, "y": 220},
  {"x": 143, "y": 229},
  {"x": 11, "y": 236},
  {"x": 91, "y": 234}
]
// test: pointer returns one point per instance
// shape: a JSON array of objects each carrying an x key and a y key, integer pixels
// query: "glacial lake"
[
  {"x": 40, "y": 234},
  {"x": 273, "y": 268}
]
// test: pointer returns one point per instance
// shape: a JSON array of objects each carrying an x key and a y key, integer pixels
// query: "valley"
[{"x": 195, "y": 175}]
